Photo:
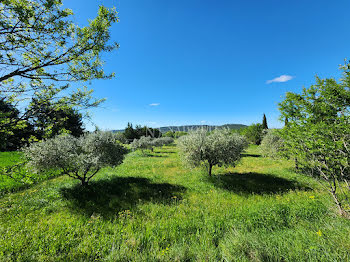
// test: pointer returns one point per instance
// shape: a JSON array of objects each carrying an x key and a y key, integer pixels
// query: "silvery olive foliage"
[
  {"x": 272, "y": 145},
  {"x": 80, "y": 158},
  {"x": 147, "y": 142},
  {"x": 144, "y": 143},
  {"x": 220, "y": 147},
  {"x": 162, "y": 141}
]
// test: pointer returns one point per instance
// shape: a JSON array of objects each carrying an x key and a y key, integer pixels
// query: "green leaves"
[
  {"x": 217, "y": 148},
  {"x": 317, "y": 134},
  {"x": 42, "y": 47},
  {"x": 80, "y": 158}
]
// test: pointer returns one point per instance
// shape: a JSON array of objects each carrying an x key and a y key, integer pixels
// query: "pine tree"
[{"x": 264, "y": 123}]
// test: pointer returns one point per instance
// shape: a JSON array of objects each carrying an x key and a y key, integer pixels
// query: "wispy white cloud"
[
  {"x": 154, "y": 104},
  {"x": 280, "y": 79},
  {"x": 203, "y": 122}
]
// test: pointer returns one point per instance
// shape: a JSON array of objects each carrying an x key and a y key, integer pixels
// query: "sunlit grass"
[
  {"x": 20, "y": 178},
  {"x": 152, "y": 208}
]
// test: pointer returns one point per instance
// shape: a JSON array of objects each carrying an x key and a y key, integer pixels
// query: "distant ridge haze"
[{"x": 187, "y": 128}]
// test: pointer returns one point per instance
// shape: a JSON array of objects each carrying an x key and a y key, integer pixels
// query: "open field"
[
  {"x": 21, "y": 179},
  {"x": 152, "y": 208}
]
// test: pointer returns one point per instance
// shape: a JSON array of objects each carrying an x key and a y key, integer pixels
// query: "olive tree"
[
  {"x": 220, "y": 147},
  {"x": 80, "y": 158},
  {"x": 317, "y": 134},
  {"x": 162, "y": 141},
  {"x": 272, "y": 145},
  {"x": 144, "y": 143}
]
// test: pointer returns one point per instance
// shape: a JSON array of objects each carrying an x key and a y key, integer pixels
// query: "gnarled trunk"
[{"x": 210, "y": 168}]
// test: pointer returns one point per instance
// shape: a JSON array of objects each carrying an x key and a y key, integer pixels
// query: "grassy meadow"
[
  {"x": 21, "y": 179},
  {"x": 153, "y": 208}
]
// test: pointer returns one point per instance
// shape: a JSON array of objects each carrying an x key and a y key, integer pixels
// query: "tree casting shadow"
[
  {"x": 255, "y": 183},
  {"x": 110, "y": 196}
]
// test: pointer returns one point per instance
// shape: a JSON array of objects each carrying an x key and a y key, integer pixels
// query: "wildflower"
[
  {"x": 312, "y": 197},
  {"x": 319, "y": 233}
]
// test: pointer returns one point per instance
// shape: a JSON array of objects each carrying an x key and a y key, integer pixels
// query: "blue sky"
[{"x": 198, "y": 61}]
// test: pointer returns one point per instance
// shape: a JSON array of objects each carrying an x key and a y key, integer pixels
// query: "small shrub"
[
  {"x": 80, "y": 158},
  {"x": 217, "y": 148}
]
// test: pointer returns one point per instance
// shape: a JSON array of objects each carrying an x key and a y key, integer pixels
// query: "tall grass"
[
  {"x": 152, "y": 208},
  {"x": 19, "y": 178}
]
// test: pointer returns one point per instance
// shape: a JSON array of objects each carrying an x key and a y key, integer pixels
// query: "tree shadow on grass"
[
  {"x": 110, "y": 196},
  {"x": 250, "y": 155},
  {"x": 255, "y": 183}
]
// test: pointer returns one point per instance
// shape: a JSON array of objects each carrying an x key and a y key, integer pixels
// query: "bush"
[
  {"x": 80, "y": 158},
  {"x": 169, "y": 134},
  {"x": 217, "y": 148},
  {"x": 254, "y": 133},
  {"x": 180, "y": 134},
  {"x": 121, "y": 138},
  {"x": 272, "y": 145},
  {"x": 317, "y": 134}
]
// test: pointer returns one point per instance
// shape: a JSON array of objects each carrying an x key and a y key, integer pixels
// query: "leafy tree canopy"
[
  {"x": 80, "y": 158},
  {"x": 50, "y": 120},
  {"x": 43, "y": 50},
  {"x": 220, "y": 147},
  {"x": 317, "y": 132},
  {"x": 254, "y": 133}
]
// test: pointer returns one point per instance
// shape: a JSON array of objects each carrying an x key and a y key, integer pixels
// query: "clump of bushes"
[
  {"x": 80, "y": 158},
  {"x": 220, "y": 147},
  {"x": 174, "y": 134},
  {"x": 169, "y": 134},
  {"x": 254, "y": 133},
  {"x": 272, "y": 145}
]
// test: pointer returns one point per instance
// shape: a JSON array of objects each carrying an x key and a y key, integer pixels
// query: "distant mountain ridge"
[{"x": 187, "y": 128}]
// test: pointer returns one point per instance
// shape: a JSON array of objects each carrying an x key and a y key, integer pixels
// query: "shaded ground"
[
  {"x": 250, "y": 155},
  {"x": 108, "y": 197},
  {"x": 248, "y": 183}
]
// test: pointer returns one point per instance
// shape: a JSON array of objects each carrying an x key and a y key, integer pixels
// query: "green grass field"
[
  {"x": 9, "y": 158},
  {"x": 152, "y": 208},
  {"x": 20, "y": 179}
]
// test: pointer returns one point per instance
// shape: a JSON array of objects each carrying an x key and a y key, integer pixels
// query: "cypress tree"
[{"x": 264, "y": 122}]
